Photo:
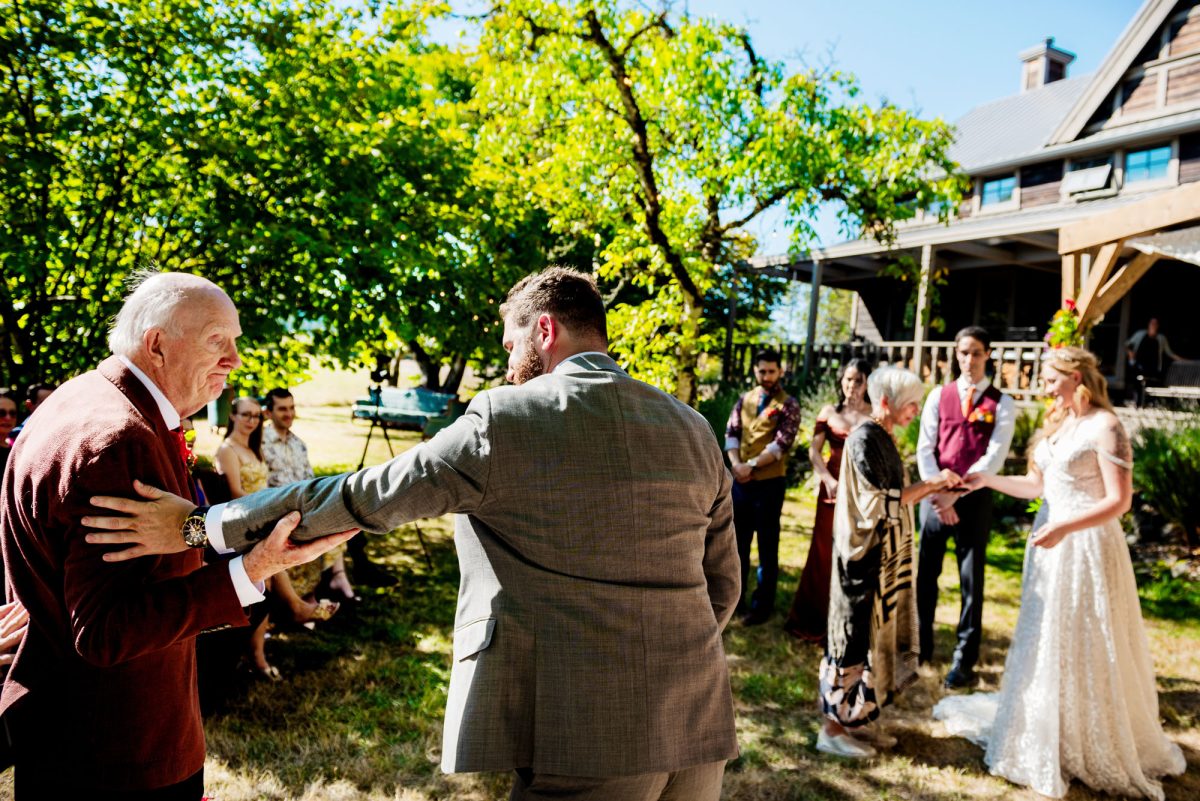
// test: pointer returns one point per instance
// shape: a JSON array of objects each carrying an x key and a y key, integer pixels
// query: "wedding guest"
[
  {"x": 872, "y": 633},
  {"x": 35, "y": 396},
  {"x": 967, "y": 426},
  {"x": 1149, "y": 353},
  {"x": 758, "y": 438},
  {"x": 239, "y": 460},
  {"x": 8, "y": 420},
  {"x": 1077, "y": 697},
  {"x": 287, "y": 461},
  {"x": 810, "y": 608}
]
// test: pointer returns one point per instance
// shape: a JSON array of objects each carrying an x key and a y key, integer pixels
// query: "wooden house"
[{"x": 1068, "y": 177}]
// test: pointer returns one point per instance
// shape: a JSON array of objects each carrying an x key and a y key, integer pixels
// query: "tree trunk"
[
  {"x": 454, "y": 377},
  {"x": 431, "y": 371},
  {"x": 688, "y": 357}
]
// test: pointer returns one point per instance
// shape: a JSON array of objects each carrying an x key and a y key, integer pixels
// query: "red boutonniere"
[
  {"x": 773, "y": 413},
  {"x": 978, "y": 415},
  {"x": 183, "y": 441}
]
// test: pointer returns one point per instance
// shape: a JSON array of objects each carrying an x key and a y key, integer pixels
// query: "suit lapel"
[{"x": 143, "y": 403}]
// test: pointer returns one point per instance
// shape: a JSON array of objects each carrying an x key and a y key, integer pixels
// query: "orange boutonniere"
[{"x": 978, "y": 415}]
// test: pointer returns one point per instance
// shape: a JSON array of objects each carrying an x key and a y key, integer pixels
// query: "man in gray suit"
[{"x": 598, "y": 560}]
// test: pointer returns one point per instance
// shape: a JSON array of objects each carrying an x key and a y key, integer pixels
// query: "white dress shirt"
[
  {"x": 247, "y": 592},
  {"x": 997, "y": 448}
]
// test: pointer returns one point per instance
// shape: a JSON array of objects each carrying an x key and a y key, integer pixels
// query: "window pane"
[
  {"x": 998, "y": 190},
  {"x": 1146, "y": 165}
]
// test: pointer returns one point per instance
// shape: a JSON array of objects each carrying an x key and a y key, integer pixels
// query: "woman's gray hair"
[
  {"x": 153, "y": 301},
  {"x": 900, "y": 387}
]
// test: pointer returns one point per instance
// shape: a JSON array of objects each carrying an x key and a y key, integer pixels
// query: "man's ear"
[
  {"x": 152, "y": 341},
  {"x": 547, "y": 331}
]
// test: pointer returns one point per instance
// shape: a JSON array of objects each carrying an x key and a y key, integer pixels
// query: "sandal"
[{"x": 325, "y": 609}]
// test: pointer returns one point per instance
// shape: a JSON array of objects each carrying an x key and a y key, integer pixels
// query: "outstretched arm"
[{"x": 1028, "y": 486}]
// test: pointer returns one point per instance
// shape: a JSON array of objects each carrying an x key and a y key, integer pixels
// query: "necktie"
[
  {"x": 763, "y": 400},
  {"x": 966, "y": 404}
]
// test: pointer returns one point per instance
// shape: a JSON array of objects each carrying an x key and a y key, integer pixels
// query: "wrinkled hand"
[
  {"x": 151, "y": 527},
  {"x": 947, "y": 479},
  {"x": 943, "y": 507},
  {"x": 742, "y": 472},
  {"x": 277, "y": 552},
  {"x": 831, "y": 485},
  {"x": 14, "y": 622},
  {"x": 1048, "y": 535}
]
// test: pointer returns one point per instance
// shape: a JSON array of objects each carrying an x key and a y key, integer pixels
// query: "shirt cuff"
[
  {"x": 212, "y": 527},
  {"x": 732, "y": 444},
  {"x": 774, "y": 449},
  {"x": 247, "y": 591}
]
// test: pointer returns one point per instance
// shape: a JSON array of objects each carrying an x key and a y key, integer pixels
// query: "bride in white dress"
[{"x": 1077, "y": 698}]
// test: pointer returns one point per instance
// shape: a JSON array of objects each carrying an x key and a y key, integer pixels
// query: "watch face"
[{"x": 194, "y": 533}]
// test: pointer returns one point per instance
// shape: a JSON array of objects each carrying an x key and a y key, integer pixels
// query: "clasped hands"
[{"x": 154, "y": 526}]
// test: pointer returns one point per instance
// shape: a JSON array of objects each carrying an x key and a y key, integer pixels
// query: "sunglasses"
[{"x": 8, "y": 413}]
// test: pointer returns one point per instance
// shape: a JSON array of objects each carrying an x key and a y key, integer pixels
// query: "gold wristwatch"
[{"x": 195, "y": 532}]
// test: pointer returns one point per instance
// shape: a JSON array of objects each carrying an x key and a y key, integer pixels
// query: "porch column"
[
  {"x": 814, "y": 305},
  {"x": 1070, "y": 276},
  {"x": 921, "y": 318}
]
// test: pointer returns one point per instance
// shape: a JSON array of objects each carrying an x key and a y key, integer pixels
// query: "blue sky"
[{"x": 936, "y": 57}]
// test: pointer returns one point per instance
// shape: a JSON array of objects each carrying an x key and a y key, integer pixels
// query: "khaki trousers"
[{"x": 697, "y": 783}]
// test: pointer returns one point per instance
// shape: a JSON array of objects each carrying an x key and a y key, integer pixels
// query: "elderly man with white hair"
[
  {"x": 872, "y": 631},
  {"x": 101, "y": 700}
]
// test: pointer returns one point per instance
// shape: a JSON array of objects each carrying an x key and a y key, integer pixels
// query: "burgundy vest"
[{"x": 961, "y": 442}]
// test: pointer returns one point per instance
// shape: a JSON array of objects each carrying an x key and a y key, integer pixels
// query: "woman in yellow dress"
[{"x": 239, "y": 460}]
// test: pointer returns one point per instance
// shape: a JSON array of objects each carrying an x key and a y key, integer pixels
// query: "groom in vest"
[{"x": 966, "y": 426}]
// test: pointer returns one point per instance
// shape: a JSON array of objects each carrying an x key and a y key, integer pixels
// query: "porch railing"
[{"x": 1016, "y": 366}]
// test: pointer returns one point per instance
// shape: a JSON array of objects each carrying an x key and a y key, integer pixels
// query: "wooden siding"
[
  {"x": 1187, "y": 37},
  {"x": 1183, "y": 84},
  {"x": 1139, "y": 94},
  {"x": 1189, "y": 158},
  {"x": 1040, "y": 183}
]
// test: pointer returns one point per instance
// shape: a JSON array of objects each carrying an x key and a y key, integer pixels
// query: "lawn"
[{"x": 358, "y": 715}]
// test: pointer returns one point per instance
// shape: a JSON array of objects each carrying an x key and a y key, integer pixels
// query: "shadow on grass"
[{"x": 363, "y": 696}]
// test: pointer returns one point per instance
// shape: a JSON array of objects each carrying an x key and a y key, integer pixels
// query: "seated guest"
[
  {"x": 8, "y": 421},
  {"x": 871, "y": 650},
  {"x": 287, "y": 461},
  {"x": 35, "y": 395},
  {"x": 810, "y": 607},
  {"x": 239, "y": 460}
]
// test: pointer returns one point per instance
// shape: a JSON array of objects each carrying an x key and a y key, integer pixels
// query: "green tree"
[{"x": 673, "y": 134}]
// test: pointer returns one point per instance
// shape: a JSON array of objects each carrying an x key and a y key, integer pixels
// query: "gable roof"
[
  {"x": 1008, "y": 129},
  {"x": 1137, "y": 33}
]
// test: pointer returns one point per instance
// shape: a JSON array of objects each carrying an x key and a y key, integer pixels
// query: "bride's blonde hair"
[{"x": 1092, "y": 386}]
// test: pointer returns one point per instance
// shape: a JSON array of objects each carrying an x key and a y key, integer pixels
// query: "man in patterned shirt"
[
  {"x": 285, "y": 453},
  {"x": 761, "y": 430}
]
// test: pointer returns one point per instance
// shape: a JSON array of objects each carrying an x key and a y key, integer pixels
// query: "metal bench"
[
  {"x": 1182, "y": 382},
  {"x": 402, "y": 408}
]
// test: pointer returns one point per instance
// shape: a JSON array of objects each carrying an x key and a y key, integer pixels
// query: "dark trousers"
[
  {"x": 970, "y": 546},
  {"x": 757, "y": 506},
  {"x": 37, "y": 783}
]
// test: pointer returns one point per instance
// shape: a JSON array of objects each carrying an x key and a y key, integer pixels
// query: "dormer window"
[
  {"x": 1150, "y": 164},
  {"x": 997, "y": 191}
]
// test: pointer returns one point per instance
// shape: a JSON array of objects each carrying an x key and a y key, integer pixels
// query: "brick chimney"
[{"x": 1042, "y": 64}]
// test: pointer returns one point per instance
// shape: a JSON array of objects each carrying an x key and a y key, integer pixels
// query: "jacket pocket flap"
[{"x": 473, "y": 637}]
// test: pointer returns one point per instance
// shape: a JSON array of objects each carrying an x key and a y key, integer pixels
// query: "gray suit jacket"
[{"x": 599, "y": 566}]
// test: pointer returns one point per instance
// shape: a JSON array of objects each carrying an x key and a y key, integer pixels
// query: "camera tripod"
[{"x": 376, "y": 395}]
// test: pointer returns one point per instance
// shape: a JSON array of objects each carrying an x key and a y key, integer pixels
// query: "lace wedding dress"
[{"x": 1077, "y": 698}]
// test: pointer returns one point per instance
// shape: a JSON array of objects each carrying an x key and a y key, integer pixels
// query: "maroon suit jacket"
[{"x": 103, "y": 688}]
